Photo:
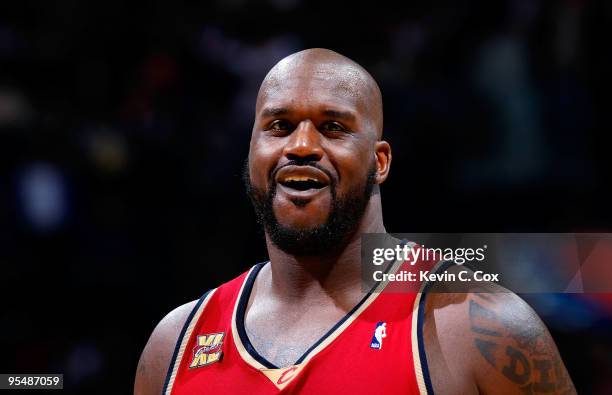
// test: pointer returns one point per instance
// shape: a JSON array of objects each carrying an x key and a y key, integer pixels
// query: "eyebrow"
[
  {"x": 274, "y": 111},
  {"x": 347, "y": 116}
]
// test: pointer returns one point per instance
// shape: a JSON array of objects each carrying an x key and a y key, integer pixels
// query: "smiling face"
[{"x": 315, "y": 152}]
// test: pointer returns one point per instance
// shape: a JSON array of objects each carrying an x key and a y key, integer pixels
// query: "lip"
[{"x": 308, "y": 193}]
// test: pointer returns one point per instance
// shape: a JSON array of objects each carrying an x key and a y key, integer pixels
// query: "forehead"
[{"x": 315, "y": 85}]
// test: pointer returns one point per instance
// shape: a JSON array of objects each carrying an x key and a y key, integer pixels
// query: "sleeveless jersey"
[{"x": 377, "y": 348}]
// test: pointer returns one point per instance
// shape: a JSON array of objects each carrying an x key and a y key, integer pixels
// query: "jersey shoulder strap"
[{"x": 215, "y": 305}]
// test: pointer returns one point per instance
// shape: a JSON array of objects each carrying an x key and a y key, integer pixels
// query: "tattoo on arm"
[{"x": 521, "y": 350}]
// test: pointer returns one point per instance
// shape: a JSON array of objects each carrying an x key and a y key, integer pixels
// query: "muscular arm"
[
  {"x": 517, "y": 353},
  {"x": 491, "y": 343},
  {"x": 155, "y": 358}
]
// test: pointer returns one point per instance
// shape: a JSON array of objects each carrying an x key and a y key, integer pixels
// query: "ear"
[{"x": 383, "y": 160}]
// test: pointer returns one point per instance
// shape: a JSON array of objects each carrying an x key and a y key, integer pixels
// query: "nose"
[{"x": 304, "y": 143}]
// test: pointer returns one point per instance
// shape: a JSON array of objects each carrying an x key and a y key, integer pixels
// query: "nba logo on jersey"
[
  {"x": 380, "y": 332},
  {"x": 207, "y": 350}
]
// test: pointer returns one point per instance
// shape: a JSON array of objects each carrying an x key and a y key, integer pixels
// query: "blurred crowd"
[{"x": 124, "y": 128}]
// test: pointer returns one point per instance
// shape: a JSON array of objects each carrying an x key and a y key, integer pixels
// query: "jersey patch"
[
  {"x": 380, "y": 332},
  {"x": 207, "y": 350},
  {"x": 283, "y": 376}
]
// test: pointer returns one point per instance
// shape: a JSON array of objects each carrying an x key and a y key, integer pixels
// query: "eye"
[
  {"x": 332, "y": 127},
  {"x": 280, "y": 126}
]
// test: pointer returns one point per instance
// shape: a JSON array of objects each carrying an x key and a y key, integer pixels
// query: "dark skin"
[{"x": 321, "y": 106}]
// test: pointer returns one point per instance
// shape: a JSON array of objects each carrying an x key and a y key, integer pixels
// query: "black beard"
[{"x": 328, "y": 238}]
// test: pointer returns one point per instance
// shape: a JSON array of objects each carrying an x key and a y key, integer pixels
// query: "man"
[{"x": 302, "y": 323}]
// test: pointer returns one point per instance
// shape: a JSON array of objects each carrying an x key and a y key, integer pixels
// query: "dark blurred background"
[{"x": 124, "y": 127}]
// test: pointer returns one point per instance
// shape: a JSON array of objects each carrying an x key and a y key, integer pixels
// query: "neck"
[{"x": 336, "y": 275}]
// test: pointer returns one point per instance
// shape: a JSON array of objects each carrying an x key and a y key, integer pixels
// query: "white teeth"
[{"x": 299, "y": 178}]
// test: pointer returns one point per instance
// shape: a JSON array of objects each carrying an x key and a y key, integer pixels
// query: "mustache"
[{"x": 299, "y": 162}]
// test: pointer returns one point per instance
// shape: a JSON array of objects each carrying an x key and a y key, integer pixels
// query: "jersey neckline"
[{"x": 332, "y": 333}]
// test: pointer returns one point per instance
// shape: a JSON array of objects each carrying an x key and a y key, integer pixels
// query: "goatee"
[{"x": 344, "y": 217}]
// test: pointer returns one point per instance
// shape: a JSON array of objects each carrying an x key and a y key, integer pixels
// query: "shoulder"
[
  {"x": 489, "y": 340},
  {"x": 156, "y": 356}
]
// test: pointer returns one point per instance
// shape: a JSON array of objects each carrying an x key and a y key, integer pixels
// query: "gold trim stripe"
[
  {"x": 418, "y": 369},
  {"x": 416, "y": 355},
  {"x": 185, "y": 340},
  {"x": 237, "y": 341}
]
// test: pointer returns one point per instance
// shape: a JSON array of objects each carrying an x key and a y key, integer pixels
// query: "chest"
[{"x": 283, "y": 336}]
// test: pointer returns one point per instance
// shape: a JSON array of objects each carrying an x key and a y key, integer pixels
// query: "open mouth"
[
  {"x": 302, "y": 178},
  {"x": 302, "y": 183}
]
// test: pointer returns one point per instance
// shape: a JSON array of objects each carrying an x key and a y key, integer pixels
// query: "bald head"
[
  {"x": 316, "y": 69},
  {"x": 316, "y": 155}
]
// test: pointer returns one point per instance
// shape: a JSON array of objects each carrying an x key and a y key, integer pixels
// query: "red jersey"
[{"x": 377, "y": 348}]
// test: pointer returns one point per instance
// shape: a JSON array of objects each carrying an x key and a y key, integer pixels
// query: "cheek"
[
  {"x": 262, "y": 160},
  {"x": 352, "y": 162}
]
